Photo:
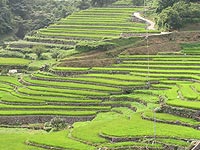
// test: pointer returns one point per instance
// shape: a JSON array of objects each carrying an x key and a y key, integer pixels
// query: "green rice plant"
[
  {"x": 109, "y": 81},
  {"x": 132, "y": 126},
  {"x": 175, "y": 142},
  {"x": 171, "y": 118},
  {"x": 187, "y": 92},
  {"x": 68, "y": 91},
  {"x": 184, "y": 104},
  {"x": 188, "y": 67},
  {"x": 54, "y": 108},
  {"x": 14, "y": 62},
  {"x": 46, "y": 93},
  {"x": 176, "y": 76},
  {"x": 70, "y": 85},
  {"x": 5, "y": 86},
  {"x": 196, "y": 87},
  {"x": 8, "y": 97},
  {"x": 123, "y": 2},
  {"x": 163, "y": 62},
  {"x": 17, "y": 137},
  {"x": 76, "y": 35},
  {"x": 100, "y": 27},
  {"x": 64, "y": 141},
  {"x": 130, "y": 144},
  {"x": 79, "y": 32},
  {"x": 19, "y": 98},
  {"x": 139, "y": 96},
  {"x": 25, "y": 46},
  {"x": 10, "y": 80},
  {"x": 161, "y": 56},
  {"x": 116, "y": 76},
  {"x": 189, "y": 48},
  {"x": 164, "y": 71}
]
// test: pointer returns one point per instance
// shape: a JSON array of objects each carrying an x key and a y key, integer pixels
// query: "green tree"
[
  {"x": 138, "y": 2},
  {"x": 56, "y": 124},
  {"x": 5, "y": 17},
  {"x": 162, "y": 4},
  {"x": 39, "y": 50},
  {"x": 83, "y": 4},
  {"x": 101, "y": 3},
  {"x": 23, "y": 16},
  {"x": 169, "y": 19}
]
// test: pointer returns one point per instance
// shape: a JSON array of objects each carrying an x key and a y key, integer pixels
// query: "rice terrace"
[{"x": 100, "y": 74}]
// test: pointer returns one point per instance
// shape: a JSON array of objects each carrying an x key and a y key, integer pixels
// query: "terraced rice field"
[
  {"x": 120, "y": 99},
  {"x": 95, "y": 24},
  {"x": 13, "y": 62}
]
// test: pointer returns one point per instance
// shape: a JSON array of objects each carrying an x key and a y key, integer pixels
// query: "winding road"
[{"x": 151, "y": 23}]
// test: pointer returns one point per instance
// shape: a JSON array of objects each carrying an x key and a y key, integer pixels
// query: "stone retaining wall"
[
  {"x": 31, "y": 119},
  {"x": 182, "y": 112}
]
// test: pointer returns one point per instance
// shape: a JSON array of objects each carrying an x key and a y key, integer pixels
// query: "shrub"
[
  {"x": 56, "y": 54},
  {"x": 45, "y": 56},
  {"x": 158, "y": 110},
  {"x": 39, "y": 50},
  {"x": 30, "y": 56},
  {"x": 11, "y": 54},
  {"x": 56, "y": 124},
  {"x": 97, "y": 45}
]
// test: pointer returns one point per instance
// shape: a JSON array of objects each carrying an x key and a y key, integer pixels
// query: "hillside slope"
[{"x": 141, "y": 94}]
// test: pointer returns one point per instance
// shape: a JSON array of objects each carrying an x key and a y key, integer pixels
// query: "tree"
[
  {"x": 23, "y": 16},
  {"x": 179, "y": 14},
  {"x": 5, "y": 17},
  {"x": 83, "y": 4},
  {"x": 169, "y": 19},
  {"x": 138, "y": 2},
  {"x": 39, "y": 50},
  {"x": 101, "y": 3},
  {"x": 162, "y": 4},
  {"x": 21, "y": 8},
  {"x": 56, "y": 54},
  {"x": 56, "y": 124}
]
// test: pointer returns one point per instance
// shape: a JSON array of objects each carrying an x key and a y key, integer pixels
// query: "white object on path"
[{"x": 13, "y": 71}]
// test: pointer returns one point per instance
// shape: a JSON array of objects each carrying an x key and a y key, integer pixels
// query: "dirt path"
[{"x": 151, "y": 23}]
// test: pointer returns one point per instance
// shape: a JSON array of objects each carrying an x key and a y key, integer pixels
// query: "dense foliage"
[
  {"x": 174, "y": 14},
  {"x": 101, "y": 3},
  {"x": 21, "y": 16},
  {"x": 97, "y": 45}
]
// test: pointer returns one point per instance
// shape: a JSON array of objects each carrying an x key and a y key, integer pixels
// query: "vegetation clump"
[
  {"x": 97, "y": 45},
  {"x": 174, "y": 14},
  {"x": 55, "y": 124}
]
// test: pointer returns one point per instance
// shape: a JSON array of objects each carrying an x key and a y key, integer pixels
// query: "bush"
[
  {"x": 56, "y": 54},
  {"x": 31, "y": 56},
  {"x": 39, "y": 50},
  {"x": 176, "y": 14},
  {"x": 45, "y": 56},
  {"x": 169, "y": 19},
  {"x": 97, "y": 45},
  {"x": 158, "y": 110},
  {"x": 56, "y": 124},
  {"x": 11, "y": 54}
]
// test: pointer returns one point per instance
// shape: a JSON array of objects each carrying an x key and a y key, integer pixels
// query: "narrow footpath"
[{"x": 151, "y": 23}]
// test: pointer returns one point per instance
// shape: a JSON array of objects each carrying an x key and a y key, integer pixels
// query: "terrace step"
[
  {"x": 63, "y": 87},
  {"x": 31, "y": 119},
  {"x": 170, "y": 122},
  {"x": 29, "y": 44},
  {"x": 45, "y": 146},
  {"x": 51, "y": 40}
]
